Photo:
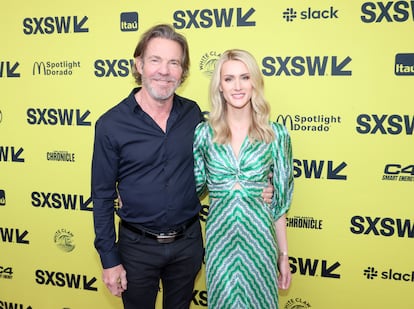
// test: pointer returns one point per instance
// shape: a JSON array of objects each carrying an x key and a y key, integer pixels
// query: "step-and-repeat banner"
[{"x": 338, "y": 74}]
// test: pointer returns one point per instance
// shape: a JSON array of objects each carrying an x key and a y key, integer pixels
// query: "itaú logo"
[{"x": 404, "y": 64}]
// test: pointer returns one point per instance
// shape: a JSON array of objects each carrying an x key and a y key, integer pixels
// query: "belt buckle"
[{"x": 166, "y": 238}]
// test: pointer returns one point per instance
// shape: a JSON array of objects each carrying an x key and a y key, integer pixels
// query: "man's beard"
[{"x": 160, "y": 93}]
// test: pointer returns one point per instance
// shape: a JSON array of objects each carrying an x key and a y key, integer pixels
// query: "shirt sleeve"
[
  {"x": 282, "y": 171},
  {"x": 104, "y": 179},
  {"x": 199, "y": 158}
]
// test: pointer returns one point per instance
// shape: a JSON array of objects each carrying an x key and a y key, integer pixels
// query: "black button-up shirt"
[{"x": 152, "y": 170}]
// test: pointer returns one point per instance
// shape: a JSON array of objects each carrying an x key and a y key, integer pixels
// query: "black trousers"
[{"x": 147, "y": 262}]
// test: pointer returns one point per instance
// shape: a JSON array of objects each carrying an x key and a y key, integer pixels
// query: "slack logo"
[{"x": 129, "y": 21}]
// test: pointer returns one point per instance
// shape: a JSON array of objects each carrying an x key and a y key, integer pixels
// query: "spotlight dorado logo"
[
  {"x": 55, "y": 68},
  {"x": 309, "y": 123}
]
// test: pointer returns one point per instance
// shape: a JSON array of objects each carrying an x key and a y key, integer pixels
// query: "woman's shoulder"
[
  {"x": 203, "y": 128},
  {"x": 279, "y": 129}
]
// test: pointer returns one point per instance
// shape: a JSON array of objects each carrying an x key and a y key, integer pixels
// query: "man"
[{"x": 143, "y": 154}]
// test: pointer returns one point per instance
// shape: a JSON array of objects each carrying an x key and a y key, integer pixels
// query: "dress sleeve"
[
  {"x": 282, "y": 171},
  {"x": 199, "y": 158}
]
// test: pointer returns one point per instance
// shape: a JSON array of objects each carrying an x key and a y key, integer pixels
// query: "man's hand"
[
  {"x": 267, "y": 193},
  {"x": 115, "y": 279}
]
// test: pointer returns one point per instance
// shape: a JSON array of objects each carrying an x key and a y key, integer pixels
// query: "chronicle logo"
[
  {"x": 308, "y": 123},
  {"x": 61, "y": 155},
  {"x": 309, "y": 14},
  {"x": 129, "y": 21},
  {"x": 404, "y": 64},
  {"x": 297, "y": 303},
  {"x": 398, "y": 172},
  {"x": 304, "y": 222},
  {"x": 55, "y": 68},
  {"x": 390, "y": 274},
  {"x": 63, "y": 240},
  {"x": 208, "y": 62}
]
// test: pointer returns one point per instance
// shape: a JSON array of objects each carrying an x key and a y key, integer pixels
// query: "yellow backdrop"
[{"x": 339, "y": 74}]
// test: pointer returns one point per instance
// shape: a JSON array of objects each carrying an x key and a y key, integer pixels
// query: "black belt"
[{"x": 164, "y": 237}]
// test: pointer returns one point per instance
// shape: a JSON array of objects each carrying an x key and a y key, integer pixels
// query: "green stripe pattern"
[{"x": 241, "y": 248}]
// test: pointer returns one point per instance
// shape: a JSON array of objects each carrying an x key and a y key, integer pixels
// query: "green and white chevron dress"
[{"x": 241, "y": 248}]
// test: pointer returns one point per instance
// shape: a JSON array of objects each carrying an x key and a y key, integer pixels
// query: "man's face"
[{"x": 161, "y": 68}]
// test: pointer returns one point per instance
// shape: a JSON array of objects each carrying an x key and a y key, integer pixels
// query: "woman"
[{"x": 234, "y": 152}]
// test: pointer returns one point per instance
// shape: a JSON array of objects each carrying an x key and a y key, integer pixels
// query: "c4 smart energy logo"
[
  {"x": 398, "y": 172},
  {"x": 404, "y": 65},
  {"x": 129, "y": 21}
]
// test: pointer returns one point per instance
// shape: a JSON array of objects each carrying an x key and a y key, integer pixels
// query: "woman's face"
[{"x": 235, "y": 84}]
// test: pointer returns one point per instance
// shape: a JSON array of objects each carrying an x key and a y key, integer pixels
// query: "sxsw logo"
[
  {"x": 404, "y": 64},
  {"x": 309, "y": 14},
  {"x": 386, "y": 227},
  {"x": 12, "y": 235},
  {"x": 65, "y": 280},
  {"x": 385, "y": 124},
  {"x": 113, "y": 67},
  {"x": 61, "y": 201},
  {"x": 5, "y": 305},
  {"x": 55, "y": 24},
  {"x": 57, "y": 116},
  {"x": 390, "y": 11},
  {"x": 314, "y": 267},
  {"x": 319, "y": 169},
  {"x": 219, "y": 18},
  {"x": 129, "y": 21},
  {"x": 310, "y": 66},
  {"x": 11, "y": 154},
  {"x": 9, "y": 69}
]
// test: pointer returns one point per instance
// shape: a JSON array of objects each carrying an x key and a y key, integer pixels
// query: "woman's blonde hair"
[{"x": 260, "y": 129}]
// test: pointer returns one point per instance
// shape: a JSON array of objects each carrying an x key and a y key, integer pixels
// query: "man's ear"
[{"x": 138, "y": 64}]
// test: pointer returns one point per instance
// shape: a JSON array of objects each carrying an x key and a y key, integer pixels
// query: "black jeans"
[{"x": 147, "y": 262}]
